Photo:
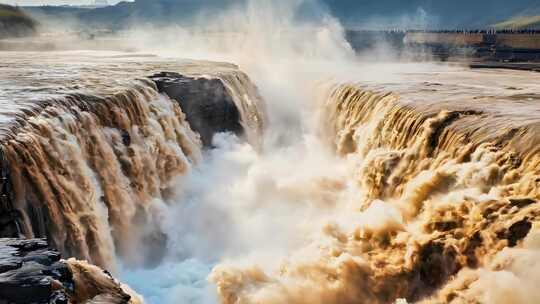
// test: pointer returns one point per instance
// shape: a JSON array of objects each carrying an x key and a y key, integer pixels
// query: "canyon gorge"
[{"x": 276, "y": 165}]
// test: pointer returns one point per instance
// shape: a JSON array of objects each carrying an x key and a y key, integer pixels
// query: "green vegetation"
[
  {"x": 521, "y": 22},
  {"x": 15, "y": 23}
]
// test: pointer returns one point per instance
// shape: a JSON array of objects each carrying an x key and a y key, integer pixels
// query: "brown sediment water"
[
  {"x": 88, "y": 160},
  {"x": 86, "y": 170},
  {"x": 417, "y": 188},
  {"x": 446, "y": 167}
]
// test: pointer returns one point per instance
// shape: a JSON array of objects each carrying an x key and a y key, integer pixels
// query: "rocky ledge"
[
  {"x": 208, "y": 106},
  {"x": 32, "y": 272}
]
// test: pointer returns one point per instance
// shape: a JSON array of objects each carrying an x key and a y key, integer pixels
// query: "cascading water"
[
  {"x": 436, "y": 192},
  {"x": 400, "y": 187},
  {"x": 416, "y": 184},
  {"x": 94, "y": 174},
  {"x": 85, "y": 170},
  {"x": 413, "y": 196}
]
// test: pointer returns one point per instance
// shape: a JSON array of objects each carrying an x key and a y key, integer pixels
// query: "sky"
[{"x": 53, "y": 2}]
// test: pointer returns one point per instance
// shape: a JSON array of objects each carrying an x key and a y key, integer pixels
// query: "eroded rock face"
[
  {"x": 8, "y": 214},
  {"x": 208, "y": 106},
  {"x": 32, "y": 272}
]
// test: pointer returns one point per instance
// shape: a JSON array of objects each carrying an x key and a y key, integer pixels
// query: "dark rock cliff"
[
  {"x": 208, "y": 106},
  {"x": 8, "y": 214},
  {"x": 32, "y": 272}
]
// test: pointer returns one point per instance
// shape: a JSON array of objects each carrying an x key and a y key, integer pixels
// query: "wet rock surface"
[
  {"x": 208, "y": 106},
  {"x": 32, "y": 272},
  {"x": 8, "y": 214}
]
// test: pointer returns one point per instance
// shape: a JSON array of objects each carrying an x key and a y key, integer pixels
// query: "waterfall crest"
[
  {"x": 424, "y": 137},
  {"x": 447, "y": 194},
  {"x": 85, "y": 170}
]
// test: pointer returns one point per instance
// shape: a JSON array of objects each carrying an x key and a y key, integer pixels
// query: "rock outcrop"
[
  {"x": 226, "y": 102},
  {"x": 32, "y": 272},
  {"x": 208, "y": 106}
]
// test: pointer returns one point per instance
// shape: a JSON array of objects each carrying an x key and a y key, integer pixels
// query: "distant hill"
[
  {"x": 521, "y": 22},
  {"x": 528, "y": 18},
  {"x": 372, "y": 14},
  {"x": 431, "y": 14},
  {"x": 15, "y": 23},
  {"x": 125, "y": 14}
]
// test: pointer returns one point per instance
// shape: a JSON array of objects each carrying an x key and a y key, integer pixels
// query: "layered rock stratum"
[{"x": 32, "y": 272}]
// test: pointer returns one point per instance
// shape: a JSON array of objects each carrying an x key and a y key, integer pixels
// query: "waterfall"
[
  {"x": 85, "y": 171},
  {"x": 439, "y": 198},
  {"x": 387, "y": 196}
]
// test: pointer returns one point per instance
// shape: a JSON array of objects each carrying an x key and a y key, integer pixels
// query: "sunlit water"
[{"x": 284, "y": 224}]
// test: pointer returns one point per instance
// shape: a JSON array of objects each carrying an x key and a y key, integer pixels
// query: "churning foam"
[
  {"x": 352, "y": 197},
  {"x": 371, "y": 209},
  {"x": 245, "y": 205}
]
